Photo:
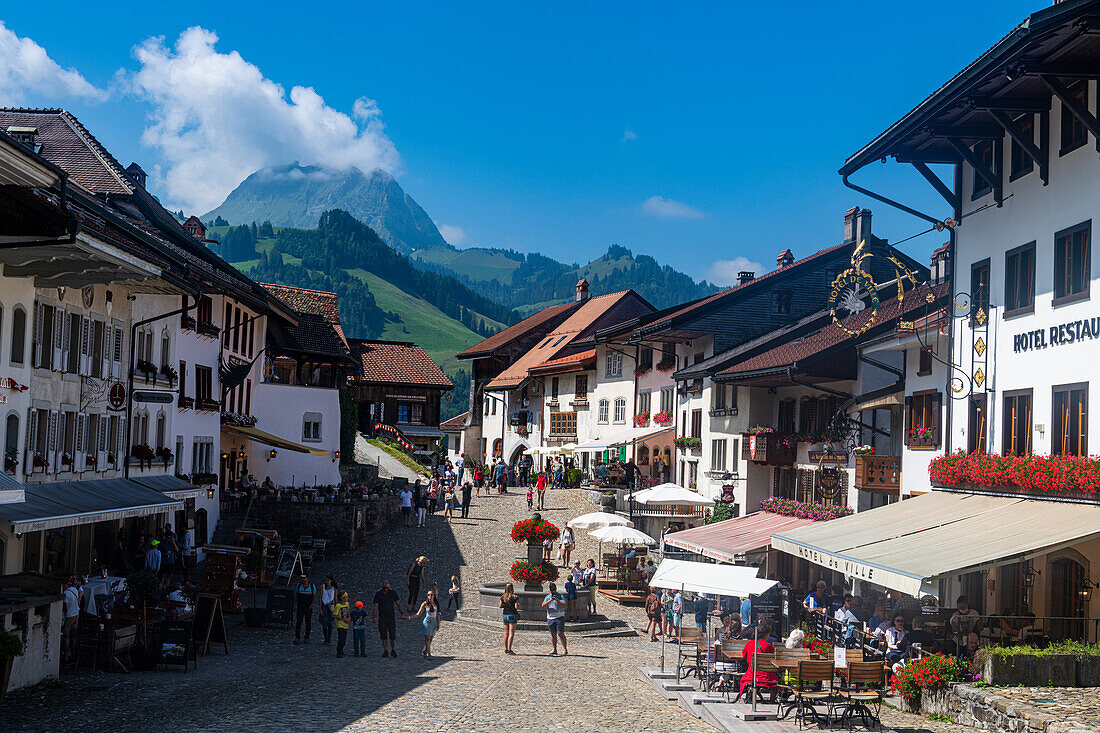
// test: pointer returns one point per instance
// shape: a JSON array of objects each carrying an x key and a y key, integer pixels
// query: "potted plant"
[
  {"x": 148, "y": 368},
  {"x": 141, "y": 589},
  {"x": 11, "y": 460},
  {"x": 165, "y": 454},
  {"x": 170, "y": 374},
  {"x": 253, "y": 565},
  {"x": 11, "y": 646}
]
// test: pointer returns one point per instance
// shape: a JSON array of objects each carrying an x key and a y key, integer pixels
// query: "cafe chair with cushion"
[
  {"x": 812, "y": 686},
  {"x": 863, "y": 698}
]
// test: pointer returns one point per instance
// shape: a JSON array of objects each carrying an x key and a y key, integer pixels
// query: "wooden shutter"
[
  {"x": 67, "y": 328},
  {"x": 36, "y": 329},
  {"x": 78, "y": 453},
  {"x": 60, "y": 450},
  {"x": 937, "y": 404},
  {"x": 908, "y": 419},
  {"x": 32, "y": 429},
  {"x": 120, "y": 445},
  {"x": 85, "y": 345},
  {"x": 51, "y": 441},
  {"x": 105, "y": 366},
  {"x": 805, "y": 485},
  {"x": 104, "y": 425},
  {"x": 811, "y": 417},
  {"x": 775, "y": 482},
  {"x": 58, "y": 339},
  {"x": 116, "y": 354}
]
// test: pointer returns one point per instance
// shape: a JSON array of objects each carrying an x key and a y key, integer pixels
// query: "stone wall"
[
  {"x": 346, "y": 526},
  {"x": 984, "y": 709}
]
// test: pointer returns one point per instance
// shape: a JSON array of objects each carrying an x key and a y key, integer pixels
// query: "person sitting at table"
[
  {"x": 918, "y": 636},
  {"x": 818, "y": 600},
  {"x": 731, "y": 627},
  {"x": 879, "y": 620},
  {"x": 267, "y": 485},
  {"x": 895, "y": 638},
  {"x": 1009, "y": 624},
  {"x": 859, "y": 609},
  {"x": 972, "y": 641},
  {"x": 764, "y": 678}
]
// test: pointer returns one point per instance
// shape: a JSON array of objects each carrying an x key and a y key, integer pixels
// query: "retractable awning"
[
  {"x": 905, "y": 545},
  {"x": 172, "y": 486},
  {"x": 718, "y": 580},
  {"x": 727, "y": 539},
  {"x": 887, "y": 398},
  {"x": 623, "y": 436},
  {"x": 69, "y": 503},
  {"x": 268, "y": 439}
]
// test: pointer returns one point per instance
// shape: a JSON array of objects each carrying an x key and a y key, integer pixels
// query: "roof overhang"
[{"x": 22, "y": 167}]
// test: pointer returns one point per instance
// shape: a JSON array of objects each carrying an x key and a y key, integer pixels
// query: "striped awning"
[{"x": 724, "y": 541}]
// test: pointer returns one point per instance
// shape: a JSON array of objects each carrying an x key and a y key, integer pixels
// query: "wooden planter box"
[
  {"x": 878, "y": 474},
  {"x": 766, "y": 449}
]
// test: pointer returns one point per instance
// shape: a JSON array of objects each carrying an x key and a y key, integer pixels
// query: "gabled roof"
[
  {"x": 574, "y": 362},
  {"x": 517, "y": 331},
  {"x": 396, "y": 362},
  {"x": 562, "y": 341},
  {"x": 455, "y": 424},
  {"x": 320, "y": 303},
  {"x": 312, "y": 335}
]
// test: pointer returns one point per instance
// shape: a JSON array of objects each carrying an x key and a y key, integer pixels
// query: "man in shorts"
[
  {"x": 384, "y": 602},
  {"x": 406, "y": 505},
  {"x": 555, "y": 619}
]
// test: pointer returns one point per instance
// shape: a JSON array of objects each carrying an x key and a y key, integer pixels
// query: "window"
[
  {"x": 614, "y": 365},
  {"x": 1074, "y": 133},
  {"x": 602, "y": 412},
  {"x": 17, "y": 355},
  {"x": 983, "y": 151},
  {"x": 807, "y": 415},
  {"x": 644, "y": 399},
  {"x": 1021, "y": 163},
  {"x": 1016, "y": 434},
  {"x": 179, "y": 455},
  {"x": 44, "y": 344},
  {"x": 165, "y": 347},
  {"x": 98, "y": 347},
  {"x": 554, "y": 382},
  {"x": 781, "y": 302},
  {"x": 725, "y": 398},
  {"x": 563, "y": 424},
  {"x": 620, "y": 410},
  {"x": 203, "y": 382},
  {"x": 11, "y": 442},
  {"x": 978, "y": 424},
  {"x": 1020, "y": 280},
  {"x": 206, "y": 309},
  {"x": 786, "y": 416},
  {"x": 72, "y": 364},
  {"x": 183, "y": 379},
  {"x": 1072, "y": 252},
  {"x": 580, "y": 392},
  {"x": 667, "y": 395},
  {"x": 311, "y": 424},
  {"x": 696, "y": 423},
  {"x": 410, "y": 413},
  {"x": 202, "y": 453},
  {"x": 924, "y": 362},
  {"x": 161, "y": 437},
  {"x": 922, "y": 419},
  {"x": 718, "y": 455},
  {"x": 668, "y": 355},
  {"x": 979, "y": 292},
  {"x": 236, "y": 330},
  {"x": 645, "y": 358},
  {"x": 1070, "y": 436}
]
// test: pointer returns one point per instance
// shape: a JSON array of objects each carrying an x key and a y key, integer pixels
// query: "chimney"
[
  {"x": 136, "y": 172},
  {"x": 850, "y": 224},
  {"x": 582, "y": 290},
  {"x": 863, "y": 225},
  {"x": 745, "y": 276},
  {"x": 24, "y": 135},
  {"x": 785, "y": 258}
]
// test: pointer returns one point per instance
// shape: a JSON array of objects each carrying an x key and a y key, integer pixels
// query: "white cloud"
[
  {"x": 216, "y": 119},
  {"x": 455, "y": 235},
  {"x": 724, "y": 272},
  {"x": 27, "y": 73},
  {"x": 629, "y": 136},
  {"x": 669, "y": 209}
]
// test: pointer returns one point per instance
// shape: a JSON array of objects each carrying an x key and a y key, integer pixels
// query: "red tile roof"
[
  {"x": 455, "y": 424},
  {"x": 304, "y": 300},
  {"x": 517, "y": 330},
  {"x": 396, "y": 362},
  {"x": 833, "y": 335},
  {"x": 566, "y": 363}
]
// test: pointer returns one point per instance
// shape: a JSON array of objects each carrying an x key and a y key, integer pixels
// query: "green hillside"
[{"x": 475, "y": 264}]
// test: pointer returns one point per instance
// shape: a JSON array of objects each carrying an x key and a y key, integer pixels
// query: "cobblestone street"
[{"x": 266, "y": 683}]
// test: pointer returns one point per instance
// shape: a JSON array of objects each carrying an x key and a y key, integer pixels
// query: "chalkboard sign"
[
  {"x": 209, "y": 622},
  {"x": 280, "y": 607},
  {"x": 289, "y": 561},
  {"x": 770, "y": 605},
  {"x": 176, "y": 643}
]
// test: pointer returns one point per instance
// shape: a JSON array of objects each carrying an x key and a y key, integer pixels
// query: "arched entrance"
[
  {"x": 498, "y": 448},
  {"x": 201, "y": 537},
  {"x": 1067, "y": 576}
]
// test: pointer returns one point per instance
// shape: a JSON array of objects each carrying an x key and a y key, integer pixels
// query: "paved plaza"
[{"x": 266, "y": 683}]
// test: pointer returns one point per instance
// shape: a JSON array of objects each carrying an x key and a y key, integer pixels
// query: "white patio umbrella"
[
  {"x": 598, "y": 520},
  {"x": 619, "y": 534},
  {"x": 670, "y": 494}
]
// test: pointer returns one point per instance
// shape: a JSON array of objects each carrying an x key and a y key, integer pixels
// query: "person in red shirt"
[
  {"x": 541, "y": 486},
  {"x": 765, "y": 678}
]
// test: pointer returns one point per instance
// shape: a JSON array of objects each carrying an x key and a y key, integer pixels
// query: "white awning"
[
  {"x": 622, "y": 436},
  {"x": 877, "y": 400},
  {"x": 702, "y": 577},
  {"x": 907, "y": 545}
]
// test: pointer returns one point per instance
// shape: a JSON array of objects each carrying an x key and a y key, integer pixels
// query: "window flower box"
[
  {"x": 202, "y": 479},
  {"x": 91, "y": 461},
  {"x": 186, "y": 403},
  {"x": 663, "y": 419},
  {"x": 207, "y": 405},
  {"x": 1069, "y": 476},
  {"x": 238, "y": 420},
  {"x": 66, "y": 460},
  {"x": 689, "y": 442},
  {"x": 522, "y": 431},
  {"x": 11, "y": 461},
  {"x": 148, "y": 368},
  {"x": 143, "y": 454},
  {"x": 164, "y": 454},
  {"x": 170, "y": 374},
  {"x": 771, "y": 448},
  {"x": 206, "y": 328},
  {"x": 666, "y": 365},
  {"x": 39, "y": 461},
  {"x": 641, "y": 419},
  {"x": 803, "y": 509},
  {"x": 187, "y": 323}
]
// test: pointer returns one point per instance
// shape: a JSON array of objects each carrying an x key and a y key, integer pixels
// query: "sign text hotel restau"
[
  {"x": 1061, "y": 335},
  {"x": 849, "y": 568}
]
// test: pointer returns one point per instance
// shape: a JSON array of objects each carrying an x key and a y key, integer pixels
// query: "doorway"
[{"x": 1067, "y": 577}]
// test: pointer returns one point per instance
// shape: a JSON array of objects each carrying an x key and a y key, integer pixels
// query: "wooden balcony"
[{"x": 879, "y": 474}]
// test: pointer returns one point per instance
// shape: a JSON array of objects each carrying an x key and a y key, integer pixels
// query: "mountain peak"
[{"x": 295, "y": 195}]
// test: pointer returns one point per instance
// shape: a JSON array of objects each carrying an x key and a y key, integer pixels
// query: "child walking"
[
  {"x": 530, "y": 499},
  {"x": 455, "y": 594},
  {"x": 359, "y": 630},
  {"x": 343, "y": 616}
]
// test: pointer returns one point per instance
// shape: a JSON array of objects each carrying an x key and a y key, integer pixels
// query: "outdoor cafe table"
[{"x": 99, "y": 586}]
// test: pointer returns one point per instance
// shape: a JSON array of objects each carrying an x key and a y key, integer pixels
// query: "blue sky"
[{"x": 698, "y": 133}]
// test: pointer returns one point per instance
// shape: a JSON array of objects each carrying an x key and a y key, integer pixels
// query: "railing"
[{"x": 878, "y": 474}]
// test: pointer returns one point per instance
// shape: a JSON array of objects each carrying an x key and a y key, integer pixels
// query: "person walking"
[
  {"x": 385, "y": 601},
  {"x": 540, "y": 485},
  {"x": 530, "y": 499},
  {"x": 433, "y": 496},
  {"x": 509, "y": 615},
  {"x": 169, "y": 552},
  {"x": 571, "y": 611},
  {"x": 421, "y": 507},
  {"x": 568, "y": 542},
  {"x": 588, "y": 580},
  {"x": 342, "y": 612},
  {"x": 467, "y": 490},
  {"x": 71, "y": 614},
  {"x": 406, "y": 505},
  {"x": 429, "y": 625},
  {"x": 359, "y": 630},
  {"x": 653, "y": 613},
  {"x": 448, "y": 503},
  {"x": 328, "y": 605},
  {"x": 153, "y": 558},
  {"x": 555, "y": 619},
  {"x": 414, "y": 578},
  {"x": 455, "y": 594},
  {"x": 305, "y": 598},
  {"x": 479, "y": 476}
]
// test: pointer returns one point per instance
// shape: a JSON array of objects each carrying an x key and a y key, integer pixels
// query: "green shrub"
[
  {"x": 1068, "y": 646},
  {"x": 573, "y": 477},
  {"x": 720, "y": 512},
  {"x": 11, "y": 646}
]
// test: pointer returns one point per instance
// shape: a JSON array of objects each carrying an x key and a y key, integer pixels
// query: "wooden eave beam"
[
  {"x": 968, "y": 132},
  {"x": 910, "y": 155},
  {"x": 951, "y": 197},
  {"x": 1066, "y": 69},
  {"x": 1066, "y": 97},
  {"x": 1008, "y": 104},
  {"x": 1040, "y": 157},
  {"x": 994, "y": 180}
]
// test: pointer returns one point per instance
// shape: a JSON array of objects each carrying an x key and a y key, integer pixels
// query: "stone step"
[
  {"x": 670, "y": 689},
  {"x": 693, "y": 701}
]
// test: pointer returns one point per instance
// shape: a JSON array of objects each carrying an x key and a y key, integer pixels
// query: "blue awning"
[
  {"x": 174, "y": 486},
  {"x": 69, "y": 503},
  {"x": 8, "y": 482}
]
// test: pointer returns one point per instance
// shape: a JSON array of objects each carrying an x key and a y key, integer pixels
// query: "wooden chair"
[
  {"x": 728, "y": 655},
  {"x": 764, "y": 663},
  {"x": 89, "y": 643},
  {"x": 319, "y": 547},
  {"x": 812, "y": 686},
  {"x": 305, "y": 542},
  {"x": 866, "y": 682}
]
